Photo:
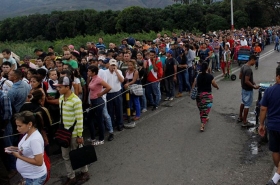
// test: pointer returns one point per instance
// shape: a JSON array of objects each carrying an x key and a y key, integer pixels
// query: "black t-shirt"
[
  {"x": 169, "y": 66},
  {"x": 246, "y": 71},
  {"x": 181, "y": 61},
  {"x": 204, "y": 82}
]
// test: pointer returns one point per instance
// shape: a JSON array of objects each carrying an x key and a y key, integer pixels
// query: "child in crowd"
[{"x": 52, "y": 80}]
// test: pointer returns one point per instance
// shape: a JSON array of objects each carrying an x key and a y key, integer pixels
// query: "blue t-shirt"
[{"x": 271, "y": 100}]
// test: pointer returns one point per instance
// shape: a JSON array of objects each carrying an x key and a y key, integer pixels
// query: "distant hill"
[{"x": 12, "y": 8}]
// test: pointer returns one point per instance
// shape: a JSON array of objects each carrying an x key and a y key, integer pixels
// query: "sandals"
[
  {"x": 239, "y": 120},
  {"x": 202, "y": 127}
]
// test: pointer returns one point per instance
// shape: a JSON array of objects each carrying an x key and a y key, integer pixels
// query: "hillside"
[{"x": 12, "y": 8}]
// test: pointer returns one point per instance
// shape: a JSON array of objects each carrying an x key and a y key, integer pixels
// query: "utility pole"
[{"x": 232, "y": 24}]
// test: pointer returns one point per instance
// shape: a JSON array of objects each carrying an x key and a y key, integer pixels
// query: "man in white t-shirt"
[
  {"x": 114, "y": 98},
  {"x": 243, "y": 41}
]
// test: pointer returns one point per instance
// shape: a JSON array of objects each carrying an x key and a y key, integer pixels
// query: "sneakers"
[
  {"x": 270, "y": 182},
  {"x": 170, "y": 99},
  {"x": 111, "y": 137},
  {"x": 179, "y": 95},
  {"x": 130, "y": 125},
  {"x": 154, "y": 108},
  {"x": 213, "y": 71},
  {"x": 70, "y": 181},
  {"x": 166, "y": 99},
  {"x": 144, "y": 110},
  {"x": 218, "y": 70},
  {"x": 247, "y": 124},
  {"x": 96, "y": 143}
]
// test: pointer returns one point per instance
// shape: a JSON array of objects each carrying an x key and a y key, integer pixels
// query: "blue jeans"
[
  {"x": 184, "y": 77},
  {"x": 143, "y": 100},
  {"x": 107, "y": 119},
  {"x": 134, "y": 100},
  {"x": 276, "y": 46},
  {"x": 97, "y": 116},
  {"x": 8, "y": 141},
  {"x": 38, "y": 181},
  {"x": 217, "y": 60},
  {"x": 153, "y": 90},
  {"x": 115, "y": 108}
]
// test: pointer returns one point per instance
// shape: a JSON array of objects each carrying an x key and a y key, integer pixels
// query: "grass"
[{"x": 22, "y": 48}]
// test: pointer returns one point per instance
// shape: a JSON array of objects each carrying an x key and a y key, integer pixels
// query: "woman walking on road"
[{"x": 204, "y": 97}]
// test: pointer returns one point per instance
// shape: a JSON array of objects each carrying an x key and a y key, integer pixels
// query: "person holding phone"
[{"x": 30, "y": 150}]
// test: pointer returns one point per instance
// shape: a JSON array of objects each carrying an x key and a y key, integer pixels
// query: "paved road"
[{"x": 166, "y": 147}]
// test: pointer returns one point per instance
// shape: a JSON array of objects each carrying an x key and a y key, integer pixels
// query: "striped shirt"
[{"x": 72, "y": 110}]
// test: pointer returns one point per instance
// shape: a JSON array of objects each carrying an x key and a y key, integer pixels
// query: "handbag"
[
  {"x": 82, "y": 156},
  {"x": 63, "y": 136},
  {"x": 194, "y": 93},
  {"x": 136, "y": 89}
]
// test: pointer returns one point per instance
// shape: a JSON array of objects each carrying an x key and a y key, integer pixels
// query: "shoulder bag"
[{"x": 63, "y": 136}]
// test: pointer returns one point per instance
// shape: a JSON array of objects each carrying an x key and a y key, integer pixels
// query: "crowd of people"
[{"x": 87, "y": 85}]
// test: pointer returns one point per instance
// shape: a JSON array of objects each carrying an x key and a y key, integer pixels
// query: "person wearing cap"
[
  {"x": 68, "y": 60},
  {"x": 72, "y": 111},
  {"x": 72, "y": 49},
  {"x": 170, "y": 72},
  {"x": 114, "y": 98},
  {"x": 243, "y": 41},
  {"x": 183, "y": 73}
]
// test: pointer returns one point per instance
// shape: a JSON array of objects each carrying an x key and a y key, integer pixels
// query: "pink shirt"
[{"x": 95, "y": 87}]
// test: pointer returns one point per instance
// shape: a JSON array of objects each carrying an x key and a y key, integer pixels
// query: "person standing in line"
[
  {"x": 270, "y": 111},
  {"x": 170, "y": 72},
  {"x": 114, "y": 98},
  {"x": 204, "y": 98},
  {"x": 72, "y": 111},
  {"x": 96, "y": 86},
  {"x": 247, "y": 84}
]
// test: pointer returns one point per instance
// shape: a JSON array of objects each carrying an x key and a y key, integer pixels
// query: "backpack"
[{"x": 1, "y": 85}]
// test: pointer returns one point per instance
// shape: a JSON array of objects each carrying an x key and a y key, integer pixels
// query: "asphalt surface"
[{"x": 167, "y": 148}]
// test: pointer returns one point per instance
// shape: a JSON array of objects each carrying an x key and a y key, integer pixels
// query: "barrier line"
[{"x": 217, "y": 78}]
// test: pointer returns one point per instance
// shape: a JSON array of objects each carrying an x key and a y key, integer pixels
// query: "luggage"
[{"x": 82, "y": 156}]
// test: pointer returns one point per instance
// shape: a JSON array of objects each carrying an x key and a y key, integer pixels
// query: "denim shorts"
[
  {"x": 247, "y": 98},
  {"x": 38, "y": 181}
]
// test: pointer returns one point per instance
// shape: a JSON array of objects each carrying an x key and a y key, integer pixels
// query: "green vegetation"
[{"x": 23, "y": 34}]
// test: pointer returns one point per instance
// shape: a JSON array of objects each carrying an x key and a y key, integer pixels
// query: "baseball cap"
[
  {"x": 71, "y": 46},
  {"x": 101, "y": 58},
  {"x": 170, "y": 51},
  {"x": 113, "y": 62},
  {"x": 63, "y": 81},
  {"x": 162, "y": 45},
  {"x": 106, "y": 61},
  {"x": 181, "y": 43}
]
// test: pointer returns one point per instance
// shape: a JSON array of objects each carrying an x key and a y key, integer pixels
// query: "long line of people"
[{"x": 99, "y": 76}]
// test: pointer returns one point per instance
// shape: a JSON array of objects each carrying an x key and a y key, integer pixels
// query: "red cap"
[{"x": 162, "y": 45}]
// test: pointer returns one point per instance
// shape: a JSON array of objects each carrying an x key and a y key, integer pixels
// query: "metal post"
[
  {"x": 231, "y": 5},
  {"x": 128, "y": 112}
]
